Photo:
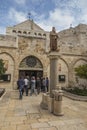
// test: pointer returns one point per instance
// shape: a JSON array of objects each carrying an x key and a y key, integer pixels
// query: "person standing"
[
  {"x": 33, "y": 86},
  {"x": 26, "y": 81},
  {"x": 38, "y": 85},
  {"x": 44, "y": 84},
  {"x": 21, "y": 83},
  {"x": 41, "y": 79},
  {"x": 47, "y": 84}
]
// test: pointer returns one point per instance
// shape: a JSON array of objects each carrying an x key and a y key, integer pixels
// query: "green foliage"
[
  {"x": 81, "y": 71},
  {"x": 77, "y": 91},
  {"x": 2, "y": 69}
]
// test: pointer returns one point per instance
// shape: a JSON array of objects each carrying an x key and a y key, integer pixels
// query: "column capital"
[{"x": 53, "y": 55}]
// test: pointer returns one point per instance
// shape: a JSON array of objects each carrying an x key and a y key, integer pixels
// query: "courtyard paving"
[{"x": 26, "y": 114}]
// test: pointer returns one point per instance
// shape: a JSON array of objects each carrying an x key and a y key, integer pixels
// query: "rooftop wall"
[{"x": 8, "y": 41}]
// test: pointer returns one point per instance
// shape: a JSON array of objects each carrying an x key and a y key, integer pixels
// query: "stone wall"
[
  {"x": 15, "y": 46},
  {"x": 73, "y": 40},
  {"x": 8, "y": 41}
]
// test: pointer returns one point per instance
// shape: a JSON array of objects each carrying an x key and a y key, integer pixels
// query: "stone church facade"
[{"x": 25, "y": 49}]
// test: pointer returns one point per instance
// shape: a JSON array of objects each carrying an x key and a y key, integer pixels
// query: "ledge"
[
  {"x": 5, "y": 81},
  {"x": 74, "y": 97},
  {"x": 2, "y": 90}
]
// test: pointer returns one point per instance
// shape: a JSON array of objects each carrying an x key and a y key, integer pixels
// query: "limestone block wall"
[
  {"x": 32, "y": 44},
  {"x": 73, "y": 40},
  {"x": 35, "y": 47},
  {"x": 8, "y": 41}
]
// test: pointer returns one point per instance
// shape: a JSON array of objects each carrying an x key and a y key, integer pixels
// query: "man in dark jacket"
[
  {"x": 20, "y": 83},
  {"x": 38, "y": 85}
]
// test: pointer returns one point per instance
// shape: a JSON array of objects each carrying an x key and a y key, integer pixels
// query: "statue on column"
[{"x": 53, "y": 40}]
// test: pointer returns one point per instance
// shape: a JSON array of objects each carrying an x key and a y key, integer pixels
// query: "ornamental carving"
[
  {"x": 31, "y": 62},
  {"x": 22, "y": 43}
]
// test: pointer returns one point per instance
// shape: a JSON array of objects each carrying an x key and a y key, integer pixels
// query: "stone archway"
[
  {"x": 62, "y": 73},
  {"x": 77, "y": 80},
  {"x": 9, "y": 65},
  {"x": 31, "y": 66}
]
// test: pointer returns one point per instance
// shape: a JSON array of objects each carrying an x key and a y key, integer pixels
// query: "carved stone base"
[
  {"x": 58, "y": 108},
  {"x": 44, "y": 103},
  {"x": 53, "y": 104},
  {"x": 50, "y": 104}
]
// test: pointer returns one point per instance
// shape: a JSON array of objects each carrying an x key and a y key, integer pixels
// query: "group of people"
[{"x": 36, "y": 85}]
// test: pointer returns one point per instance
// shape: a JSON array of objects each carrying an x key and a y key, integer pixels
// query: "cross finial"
[
  {"x": 29, "y": 15},
  {"x": 70, "y": 25}
]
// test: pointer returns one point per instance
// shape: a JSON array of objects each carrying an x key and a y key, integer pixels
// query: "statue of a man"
[{"x": 53, "y": 40}]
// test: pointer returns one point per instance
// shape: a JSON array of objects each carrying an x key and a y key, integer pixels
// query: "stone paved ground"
[{"x": 26, "y": 114}]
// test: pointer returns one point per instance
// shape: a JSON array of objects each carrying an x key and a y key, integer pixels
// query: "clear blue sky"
[{"x": 46, "y": 13}]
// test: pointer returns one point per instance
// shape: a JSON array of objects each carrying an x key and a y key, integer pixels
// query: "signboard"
[
  {"x": 61, "y": 78},
  {"x": 6, "y": 77}
]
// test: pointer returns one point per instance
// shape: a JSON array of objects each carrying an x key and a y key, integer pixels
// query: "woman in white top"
[{"x": 26, "y": 81}]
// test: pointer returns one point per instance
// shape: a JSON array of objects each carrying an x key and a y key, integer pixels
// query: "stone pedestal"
[
  {"x": 44, "y": 103},
  {"x": 58, "y": 103},
  {"x": 50, "y": 104},
  {"x": 58, "y": 108}
]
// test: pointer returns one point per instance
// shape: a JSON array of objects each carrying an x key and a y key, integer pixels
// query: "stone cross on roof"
[{"x": 29, "y": 15}]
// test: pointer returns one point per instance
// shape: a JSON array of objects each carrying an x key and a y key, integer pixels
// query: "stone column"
[
  {"x": 48, "y": 98},
  {"x": 53, "y": 56}
]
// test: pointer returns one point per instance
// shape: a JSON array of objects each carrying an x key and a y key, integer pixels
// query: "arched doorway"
[{"x": 31, "y": 66}]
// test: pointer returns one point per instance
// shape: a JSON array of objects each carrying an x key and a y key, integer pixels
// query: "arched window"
[
  {"x": 31, "y": 62},
  {"x": 44, "y": 34},
  {"x": 19, "y": 31},
  {"x": 24, "y": 32},
  {"x": 14, "y": 31},
  {"x": 39, "y": 34},
  {"x": 29, "y": 32},
  {"x": 35, "y": 33}
]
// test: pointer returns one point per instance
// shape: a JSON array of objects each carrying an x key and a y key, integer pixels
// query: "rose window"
[{"x": 31, "y": 61}]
